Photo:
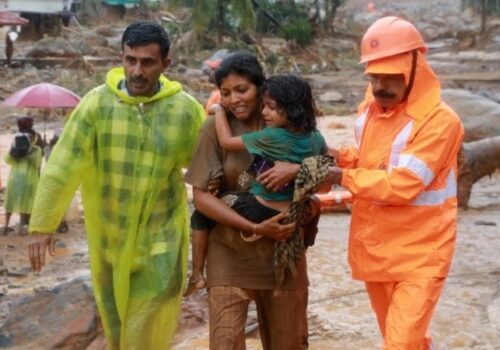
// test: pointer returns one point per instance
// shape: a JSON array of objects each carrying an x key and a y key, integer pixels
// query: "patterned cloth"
[{"x": 312, "y": 172}]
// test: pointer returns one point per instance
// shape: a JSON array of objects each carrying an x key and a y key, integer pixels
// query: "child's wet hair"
[{"x": 294, "y": 97}]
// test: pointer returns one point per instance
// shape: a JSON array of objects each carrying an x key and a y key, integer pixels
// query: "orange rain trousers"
[{"x": 404, "y": 311}]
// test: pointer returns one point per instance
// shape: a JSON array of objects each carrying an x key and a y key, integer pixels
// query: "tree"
[
  {"x": 223, "y": 14},
  {"x": 331, "y": 7}
]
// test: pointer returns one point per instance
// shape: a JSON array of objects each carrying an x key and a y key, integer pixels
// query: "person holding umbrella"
[
  {"x": 125, "y": 144},
  {"x": 24, "y": 158}
]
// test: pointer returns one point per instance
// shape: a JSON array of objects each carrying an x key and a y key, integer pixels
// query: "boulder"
[
  {"x": 64, "y": 317},
  {"x": 54, "y": 47},
  {"x": 480, "y": 116},
  {"x": 331, "y": 96}
]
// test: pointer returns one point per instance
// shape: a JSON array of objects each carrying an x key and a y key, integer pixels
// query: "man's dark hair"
[
  {"x": 294, "y": 96},
  {"x": 240, "y": 63},
  {"x": 145, "y": 33}
]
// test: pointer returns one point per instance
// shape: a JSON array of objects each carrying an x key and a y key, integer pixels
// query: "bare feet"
[{"x": 196, "y": 282}]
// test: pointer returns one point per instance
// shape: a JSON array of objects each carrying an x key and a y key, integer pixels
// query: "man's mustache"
[
  {"x": 384, "y": 94},
  {"x": 139, "y": 80}
]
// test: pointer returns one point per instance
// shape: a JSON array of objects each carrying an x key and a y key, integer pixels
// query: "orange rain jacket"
[{"x": 403, "y": 178}]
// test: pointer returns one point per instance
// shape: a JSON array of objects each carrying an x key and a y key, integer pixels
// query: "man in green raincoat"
[{"x": 125, "y": 144}]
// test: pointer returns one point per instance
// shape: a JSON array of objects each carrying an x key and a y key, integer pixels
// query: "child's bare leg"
[{"x": 199, "y": 255}]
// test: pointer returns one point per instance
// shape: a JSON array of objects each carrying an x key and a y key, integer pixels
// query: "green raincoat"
[
  {"x": 127, "y": 153},
  {"x": 23, "y": 180}
]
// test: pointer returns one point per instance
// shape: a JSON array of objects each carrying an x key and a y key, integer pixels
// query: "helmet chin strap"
[{"x": 412, "y": 75}]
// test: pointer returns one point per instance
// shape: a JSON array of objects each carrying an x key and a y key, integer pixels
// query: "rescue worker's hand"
[
  {"x": 334, "y": 152},
  {"x": 37, "y": 249},
  {"x": 271, "y": 228},
  {"x": 280, "y": 174},
  {"x": 213, "y": 186},
  {"x": 334, "y": 177}
]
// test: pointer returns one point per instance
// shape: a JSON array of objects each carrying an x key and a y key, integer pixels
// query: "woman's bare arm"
[
  {"x": 219, "y": 211},
  {"x": 224, "y": 133}
]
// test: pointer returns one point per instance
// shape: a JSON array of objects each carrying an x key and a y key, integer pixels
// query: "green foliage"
[
  {"x": 491, "y": 5},
  {"x": 300, "y": 31},
  {"x": 229, "y": 14},
  {"x": 204, "y": 12},
  {"x": 290, "y": 21}
]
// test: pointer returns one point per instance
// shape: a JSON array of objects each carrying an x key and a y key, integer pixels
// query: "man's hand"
[
  {"x": 280, "y": 174},
  {"x": 271, "y": 228},
  {"x": 37, "y": 249},
  {"x": 334, "y": 177}
]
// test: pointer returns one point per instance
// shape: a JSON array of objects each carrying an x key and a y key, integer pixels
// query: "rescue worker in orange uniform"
[{"x": 402, "y": 175}]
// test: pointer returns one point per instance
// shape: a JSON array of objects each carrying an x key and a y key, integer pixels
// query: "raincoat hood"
[
  {"x": 426, "y": 91},
  {"x": 116, "y": 75}
]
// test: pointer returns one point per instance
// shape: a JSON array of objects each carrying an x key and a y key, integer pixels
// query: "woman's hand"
[
  {"x": 271, "y": 228},
  {"x": 280, "y": 174},
  {"x": 213, "y": 186}
]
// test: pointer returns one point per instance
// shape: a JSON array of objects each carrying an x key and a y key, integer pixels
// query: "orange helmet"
[{"x": 390, "y": 36}]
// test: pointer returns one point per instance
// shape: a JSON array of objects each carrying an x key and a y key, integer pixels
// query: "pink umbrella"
[{"x": 43, "y": 95}]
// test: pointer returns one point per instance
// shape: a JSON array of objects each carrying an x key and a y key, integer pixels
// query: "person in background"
[
  {"x": 402, "y": 175},
  {"x": 24, "y": 158},
  {"x": 125, "y": 144}
]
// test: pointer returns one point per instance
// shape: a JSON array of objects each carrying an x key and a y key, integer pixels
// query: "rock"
[
  {"x": 480, "y": 116},
  {"x": 484, "y": 223},
  {"x": 494, "y": 311},
  {"x": 331, "y": 96},
  {"x": 115, "y": 42},
  {"x": 54, "y": 47},
  {"x": 22, "y": 272},
  {"x": 61, "y": 318}
]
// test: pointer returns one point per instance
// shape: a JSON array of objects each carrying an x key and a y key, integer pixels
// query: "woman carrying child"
[{"x": 240, "y": 269}]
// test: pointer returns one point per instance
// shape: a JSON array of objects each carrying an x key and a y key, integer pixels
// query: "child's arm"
[{"x": 224, "y": 134}]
